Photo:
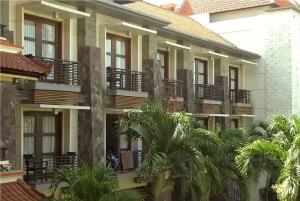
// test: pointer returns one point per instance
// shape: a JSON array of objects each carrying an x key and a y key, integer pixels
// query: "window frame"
[
  {"x": 113, "y": 54},
  {"x": 39, "y": 21},
  {"x": 166, "y": 62},
  {"x": 205, "y": 71}
]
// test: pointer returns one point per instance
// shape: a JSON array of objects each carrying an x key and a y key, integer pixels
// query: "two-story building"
[{"x": 107, "y": 59}]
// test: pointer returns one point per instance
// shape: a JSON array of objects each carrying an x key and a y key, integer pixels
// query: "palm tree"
[
  {"x": 84, "y": 184},
  {"x": 172, "y": 155},
  {"x": 279, "y": 155},
  {"x": 219, "y": 150}
]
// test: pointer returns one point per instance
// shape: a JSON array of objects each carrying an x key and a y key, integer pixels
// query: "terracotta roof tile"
[
  {"x": 22, "y": 64},
  {"x": 18, "y": 190},
  {"x": 215, "y": 6},
  {"x": 186, "y": 8},
  {"x": 179, "y": 23}
]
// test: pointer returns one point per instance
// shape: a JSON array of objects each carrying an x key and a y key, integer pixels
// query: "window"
[
  {"x": 42, "y": 133},
  {"x": 233, "y": 82},
  {"x": 200, "y": 71},
  {"x": 163, "y": 60},
  {"x": 117, "y": 52},
  {"x": 42, "y": 38}
]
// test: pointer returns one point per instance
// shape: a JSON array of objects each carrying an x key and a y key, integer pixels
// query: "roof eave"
[
  {"x": 121, "y": 12},
  {"x": 22, "y": 72},
  {"x": 233, "y": 51}
]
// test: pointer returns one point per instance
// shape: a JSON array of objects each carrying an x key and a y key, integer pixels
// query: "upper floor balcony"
[
  {"x": 240, "y": 96},
  {"x": 126, "y": 88},
  {"x": 62, "y": 72},
  {"x": 60, "y": 87},
  {"x": 173, "y": 88},
  {"x": 209, "y": 92},
  {"x": 124, "y": 79}
]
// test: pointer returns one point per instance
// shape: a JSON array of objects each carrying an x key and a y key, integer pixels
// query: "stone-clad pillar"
[
  {"x": 86, "y": 29},
  {"x": 91, "y": 133},
  {"x": 188, "y": 88},
  {"x": 152, "y": 68},
  {"x": 92, "y": 123},
  {"x": 8, "y": 122},
  {"x": 185, "y": 69},
  {"x": 184, "y": 58},
  {"x": 222, "y": 73}
]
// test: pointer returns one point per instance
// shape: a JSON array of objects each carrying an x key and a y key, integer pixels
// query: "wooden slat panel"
[
  {"x": 126, "y": 101},
  {"x": 55, "y": 97},
  {"x": 241, "y": 110}
]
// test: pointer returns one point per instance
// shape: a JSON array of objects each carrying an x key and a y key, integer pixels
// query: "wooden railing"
[
  {"x": 126, "y": 80},
  {"x": 40, "y": 170},
  {"x": 208, "y": 92},
  {"x": 240, "y": 96},
  {"x": 173, "y": 88},
  {"x": 63, "y": 71}
]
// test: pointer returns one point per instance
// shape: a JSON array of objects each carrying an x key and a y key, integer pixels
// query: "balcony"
[
  {"x": 208, "y": 92},
  {"x": 123, "y": 79},
  {"x": 240, "y": 96},
  {"x": 42, "y": 170},
  {"x": 173, "y": 88},
  {"x": 126, "y": 88},
  {"x": 63, "y": 71}
]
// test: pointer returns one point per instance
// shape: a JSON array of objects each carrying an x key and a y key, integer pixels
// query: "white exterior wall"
[
  {"x": 278, "y": 62},
  {"x": 296, "y": 62}
]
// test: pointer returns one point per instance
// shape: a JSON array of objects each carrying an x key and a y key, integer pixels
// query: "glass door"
[
  {"x": 233, "y": 83},
  {"x": 42, "y": 39},
  {"x": 200, "y": 78},
  {"x": 118, "y": 59},
  {"x": 163, "y": 60},
  {"x": 42, "y": 134}
]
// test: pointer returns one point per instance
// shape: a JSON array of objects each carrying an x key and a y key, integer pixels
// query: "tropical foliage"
[
  {"x": 182, "y": 154},
  {"x": 277, "y": 152},
  {"x": 85, "y": 184},
  {"x": 172, "y": 154},
  {"x": 219, "y": 151}
]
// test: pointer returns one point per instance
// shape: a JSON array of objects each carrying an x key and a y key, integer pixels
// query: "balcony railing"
[
  {"x": 63, "y": 71},
  {"x": 44, "y": 169},
  {"x": 208, "y": 92},
  {"x": 173, "y": 88},
  {"x": 126, "y": 80},
  {"x": 240, "y": 96}
]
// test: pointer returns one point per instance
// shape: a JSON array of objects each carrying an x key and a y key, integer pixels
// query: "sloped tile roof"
[
  {"x": 22, "y": 65},
  {"x": 186, "y": 9},
  {"x": 179, "y": 23},
  {"x": 215, "y": 6},
  {"x": 18, "y": 191}
]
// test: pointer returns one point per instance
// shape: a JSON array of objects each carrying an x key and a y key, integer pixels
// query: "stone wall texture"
[{"x": 8, "y": 123}]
